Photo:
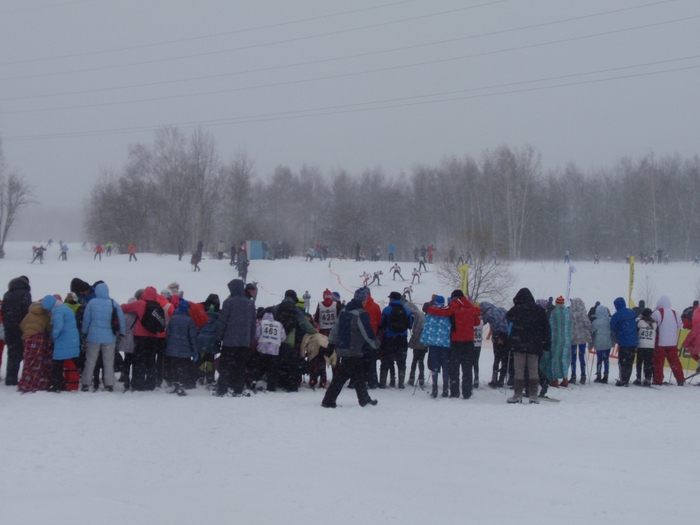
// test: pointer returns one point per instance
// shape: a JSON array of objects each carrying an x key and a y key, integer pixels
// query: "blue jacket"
[
  {"x": 66, "y": 338},
  {"x": 97, "y": 319},
  {"x": 385, "y": 319},
  {"x": 181, "y": 336},
  {"x": 623, "y": 324},
  {"x": 495, "y": 317},
  {"x": 436, "y": 331},
  {"x": 237, "y": 319}
]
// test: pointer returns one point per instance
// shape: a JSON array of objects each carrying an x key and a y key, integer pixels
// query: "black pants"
[
  {"x": 500, "y": 357},
  {"x": 268, "y": 367},
  {"x": 128, "y": 369},
  {"x": 290, "y": 368},
  {"x": 394, "y": 350},
  {"x": 625, "y": 361},
  {"x": 163, "y": 371},
  {"x": 418, "y": 360},
  {"x": 317, "y": 369},
  {"x": 180, "y": 370},
  {"x": 15, "y": 354},
  {"x": 232, "y": 363},
  {"x": 462, "y": 356},
  {"x": 132, "y": 255},
  {"x": 144, "y": 363},
  {"x": 645, "y": 361},
  {"x": 348, "y": 368},
  {"x": 369, "y": 365},
  {"x": 57, "y": 380}
]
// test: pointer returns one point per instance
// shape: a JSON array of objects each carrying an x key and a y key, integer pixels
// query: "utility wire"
[{"x": 340, "y": 109}]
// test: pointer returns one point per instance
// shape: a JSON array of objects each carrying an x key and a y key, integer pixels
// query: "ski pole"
[{"x": 505, "y": 383}]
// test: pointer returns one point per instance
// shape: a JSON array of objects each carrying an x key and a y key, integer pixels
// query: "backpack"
[
  {"x": 398, "y": 319},
  {"x": 115, "y": 319},
  {"x": 153, "y": 319}
]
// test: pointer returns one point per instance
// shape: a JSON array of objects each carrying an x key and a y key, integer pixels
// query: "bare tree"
[
  {"x": 15, "y": 194},
  {"x": 487, "y": 280}
]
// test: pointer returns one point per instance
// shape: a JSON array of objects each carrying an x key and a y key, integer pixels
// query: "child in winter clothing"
[
  {"x": 181, "y": 346},
  {"x": 206, "y": 341},
  {"x": 602, "y": 342},
  {"x": 66, "y": 339},
  {"x": 418, "y": 348},
  {"x": 436, "y": 334},
  {"x": 646, "y": 331},
  {"x": 269, "y": 335},
  {"x": 560, "y": 326},
  {"x": 125, "y": 344}
]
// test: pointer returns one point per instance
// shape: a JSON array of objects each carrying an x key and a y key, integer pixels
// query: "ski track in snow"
[{"x": 614, "y": 455}]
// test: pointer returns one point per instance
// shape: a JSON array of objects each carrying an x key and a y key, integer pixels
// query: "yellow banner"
[
  {"x": 630, "y": 302},
  {"x": 464, "y": 278}
]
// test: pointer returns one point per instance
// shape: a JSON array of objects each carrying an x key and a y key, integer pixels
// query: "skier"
[
  {"x": 307, "y": 301},
  {"x": 39, "y": 254},
  {"x": 408, "y": 291},
  {"x": 376, "y": 278},
  {"x": 98, "y": 252},
  {"x": 669, "y": 324},
  {"x": 646, "y": 334},
  {"x": 567, "y": 256},
  {"x": 132, "y": 251},
  {"x": 396, "y": 269},
  {"x": 415, "y": 274},
  {"x": 220, "y": 249},
  {"x": 365, "y": 279},
  {"x": 421, "y": 263},
  {"x": 64, "y": 252},
  {"x": 180, "y": 251}
]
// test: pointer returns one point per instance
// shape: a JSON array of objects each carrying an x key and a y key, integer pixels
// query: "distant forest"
[{"x": 178, "y": 190}]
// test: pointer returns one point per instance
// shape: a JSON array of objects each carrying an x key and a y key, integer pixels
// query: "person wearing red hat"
[{"x": 327, "y": 312}]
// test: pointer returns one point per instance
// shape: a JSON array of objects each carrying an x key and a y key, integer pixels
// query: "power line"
[
  {"x": 345, "y": 108},
  {"x": 42, "y": 7},
  {"x": 344, "y": 75},
  {"x": 384, "y": 51},
  {"x": 204, "y": 37}
]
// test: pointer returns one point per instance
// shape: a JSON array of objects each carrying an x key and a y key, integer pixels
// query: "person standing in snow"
[
  {"x": 326, "y": 316},
  {"x": 220, "y": 248},
  {"x": 602, "y": 342},
  {"x": 66, "y": 339},
  {"x": 496, "y": 319},
  {"x": 436, "y": 334},
  {"x": 580, "y": 337},
  {"x": 560, "y": 328},
  {"x": 181, "y": 346},
  {"x": 418, "y": 348},
  {"x": 15, "y": 306},
  {"x": 414, "y": 275},
  {"x": 132, "y": 251},
  {"x": 145, "y": 342},
  {"x": 528, "y": 338},
  {"x": 100, "y": 337},
  {"x": 269, "y": 335},
  {"x": 646, "y": 333},
  {"x": 237, "y": 321},
  {"x": 669, "y": 324},
  {"x": 350, "y": 335},
  {"x": 623, "y": 325},
  {"x": 396, "y": 321},
  {"x": 307, "y": 301},
  {"x": 376, "y": 278},
  {"x": 478, "y": 336}
]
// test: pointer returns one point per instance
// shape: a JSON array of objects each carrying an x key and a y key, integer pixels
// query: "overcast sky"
[{"x": 344, "y": 84}]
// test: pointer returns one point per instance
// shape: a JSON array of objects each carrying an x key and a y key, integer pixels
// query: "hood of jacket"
[
  {"x": 149, "y": 294},
  {"x": 602, "y": 312},
  {"x": 524, "y": 296},
  {"x": 49, "y": 302},
  {"x": 102, "y": 291},
  {"x": 267, "y": 316},
  {"x": 354, "y": 304},
  {"x": 663, "y": 302},
  {"x": 578, "y": 307},
  {"x": 236, "y": 287},
  {"x": 19, "y": 283},
  {"x": 619, "y": 304}
]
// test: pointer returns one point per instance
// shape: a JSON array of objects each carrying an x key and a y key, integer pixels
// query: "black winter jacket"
[
  {"x": 528, "y": 326},
  {"x": 15, "y": 305}
]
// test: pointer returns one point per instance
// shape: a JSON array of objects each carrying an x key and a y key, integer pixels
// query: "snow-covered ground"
[{"x": 603, "y": 454}]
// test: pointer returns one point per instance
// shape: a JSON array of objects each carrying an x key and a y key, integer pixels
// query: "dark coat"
[
  {"x": 529, "y": 331},
  {"x": 237, "y": 319},
  {"x": 15, "y": 305},
  {"x": 352, "y": 331}
]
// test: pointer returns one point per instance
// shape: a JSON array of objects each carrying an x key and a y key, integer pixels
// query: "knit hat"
[
  {"x": 301, "y": 304},
  {"x": 394, "y": 296},
  {"x": 165, "y": 292},
  {"x": 360, "y": 295},
  {"x": 560, "y": 300},
  {"x": 646, "y": 312},
  {"x": 327, "y": 294},
  {"x": 457, "y": 293},
  {"x": 183, "y": 306},
  {"x": 336, "y": 296},
  {"x": 292, "y": 294},
  {"x": 439, "y": 300}
]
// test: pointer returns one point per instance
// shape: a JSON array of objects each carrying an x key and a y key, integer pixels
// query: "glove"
[{"x": 195, "y": 357}]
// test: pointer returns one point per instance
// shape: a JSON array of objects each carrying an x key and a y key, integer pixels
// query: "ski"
[
  {"x": 550, "y": 399},
  {"x": 692, "y": 375}
]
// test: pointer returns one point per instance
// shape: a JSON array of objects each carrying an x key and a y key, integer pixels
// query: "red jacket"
[
  {"x": 465, "y": 318},
  {"x": 375, "y": 313},
  {"x": 139, "y": 308}
]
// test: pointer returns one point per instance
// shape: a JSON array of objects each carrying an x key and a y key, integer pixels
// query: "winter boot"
[
  {"x": 534, "y": 384},
  {"x": 421, "y": 380},
  {"x": 597, "y": 378},
  {"x": 494, "y": 380},
  {"x": 411, "y": 380},
  {"x": 382, "y": 378},
  {"x": 605, "y": 379},
  {"x": 445, "y": 390},
  {"x": 564, "y": 382},
  {"x": 518, "y": 385},
  {"x": 434, "y": 392},
  {"x": 572, "y": 379},
  {"x": 402, "y": 376},
  {"x": 583, "y": 379},
  {"x": 544, "y": 386},
  {"x": 392, "y": 380}
]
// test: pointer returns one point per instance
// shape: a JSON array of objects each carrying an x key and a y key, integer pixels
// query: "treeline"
[{"x": 178, "y": 190}]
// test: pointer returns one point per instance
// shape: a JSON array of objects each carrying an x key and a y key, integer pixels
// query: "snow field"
[{"x": 615, "y": 455}]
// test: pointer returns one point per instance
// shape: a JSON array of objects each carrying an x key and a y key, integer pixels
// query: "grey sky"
[{"x": 344, "y": 84}]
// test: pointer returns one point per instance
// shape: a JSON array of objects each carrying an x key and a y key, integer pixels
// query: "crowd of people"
[{"x": 84, "y": 340}]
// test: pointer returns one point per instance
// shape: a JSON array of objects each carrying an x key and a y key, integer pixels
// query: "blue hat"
[
  {"x": 360, "y": 295},
  {"x": 183, "y": 306},
  {"x": 439, "y": 300}
]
